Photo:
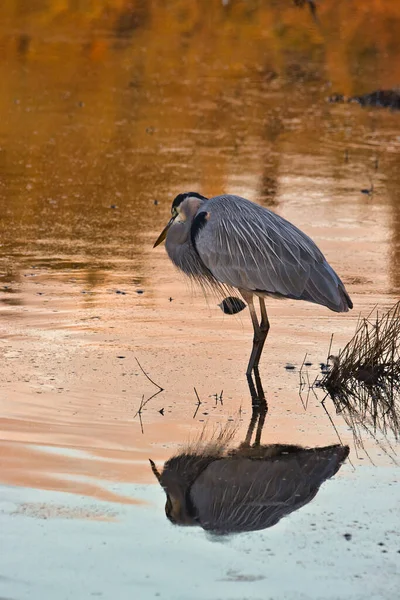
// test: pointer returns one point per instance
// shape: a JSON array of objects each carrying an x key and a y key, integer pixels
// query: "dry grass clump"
[{"x": 364, "y": 380}]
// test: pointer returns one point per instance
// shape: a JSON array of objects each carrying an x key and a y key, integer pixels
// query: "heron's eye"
[{"x": 174, "y": 211}]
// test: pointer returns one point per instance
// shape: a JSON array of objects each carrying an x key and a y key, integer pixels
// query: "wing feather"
[
  {"x": 247, "y": 246},
  {"x": 240, "y": 494}
]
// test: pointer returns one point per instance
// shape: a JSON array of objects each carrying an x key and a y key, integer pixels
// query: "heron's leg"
[
  {"x": 264, "y": 317},
  {"x": 259, "y": 412},
  {"x": 253, "y": 391},
  {"x": 260, "y": 331},
  {"x": 260, "y": 425},
  {"x": 264, "y": 329},
  {"x": 262, "y": 408},
  {"x": 257, "y": 339},
  {"x": 257, "y": 399},
  {"x": 262, "y": 402},
  {"x": 250, "y": 429}
]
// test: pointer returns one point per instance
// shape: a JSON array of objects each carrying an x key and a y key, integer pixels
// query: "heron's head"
[
  {"x": 183, "y": 207},
  {"x": 178, "y": 508}
]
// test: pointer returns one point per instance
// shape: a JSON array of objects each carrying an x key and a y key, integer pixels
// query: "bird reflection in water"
[{"x": 231, "y": 490}]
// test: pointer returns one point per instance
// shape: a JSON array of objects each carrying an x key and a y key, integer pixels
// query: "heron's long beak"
[{"x": 164, "y": 232}]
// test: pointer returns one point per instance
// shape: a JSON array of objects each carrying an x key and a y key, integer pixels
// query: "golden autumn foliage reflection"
[{"x": 121, "y": 103}]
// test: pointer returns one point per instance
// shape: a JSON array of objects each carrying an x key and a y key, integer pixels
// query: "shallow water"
[{"x": 108, "y": 111}]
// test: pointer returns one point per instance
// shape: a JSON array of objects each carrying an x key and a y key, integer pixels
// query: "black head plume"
[{"x": 181, "y": 197}]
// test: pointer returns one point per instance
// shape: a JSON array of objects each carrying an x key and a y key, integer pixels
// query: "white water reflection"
[{"x": 139, "y": 553}]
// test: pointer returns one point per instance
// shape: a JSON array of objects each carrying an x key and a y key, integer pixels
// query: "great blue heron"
[
  {"x": 247, "y": 488},
  {"x": 228, "y": 241}
]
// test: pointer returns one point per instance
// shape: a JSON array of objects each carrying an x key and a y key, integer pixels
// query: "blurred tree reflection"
[{"x": 121, "y": 102}]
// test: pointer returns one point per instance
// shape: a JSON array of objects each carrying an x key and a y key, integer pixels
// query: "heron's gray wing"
[
  {"x": 247, "y": 246},
  {"x": 240, "y": 494}
]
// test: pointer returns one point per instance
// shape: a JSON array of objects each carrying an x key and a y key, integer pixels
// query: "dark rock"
[{"x": 379, "y": 98}]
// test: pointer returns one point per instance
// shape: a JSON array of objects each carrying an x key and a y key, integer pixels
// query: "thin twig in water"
[
  {"x": 143, "y": 403},
  {"x": 308, "y": 393},
  {"x": 139, "y": 412},
  {"x": 334, "y": 426},
  {"x": 302, "y": 365},
  {"x": 302, "y": 382},
  {"x": 301, "y": 388},
  {"x": 355, "y": 442},
  {"x": 197, "y": 396},
  {"x": 330, "y": 419},
  {"x": 149, "y": 378},
  {"x": 330, "y": 348},
  {"x": 198, "y": 403}
]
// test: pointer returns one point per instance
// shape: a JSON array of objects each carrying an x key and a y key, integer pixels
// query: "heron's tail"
[
  {"x": 325, "y": 287},
  {"x": 346, "y": 298}
]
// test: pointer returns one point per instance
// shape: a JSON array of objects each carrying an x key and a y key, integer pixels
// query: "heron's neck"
[
  {"x": 179, "y": 246},
  {"x": 181, "y": 251}
]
